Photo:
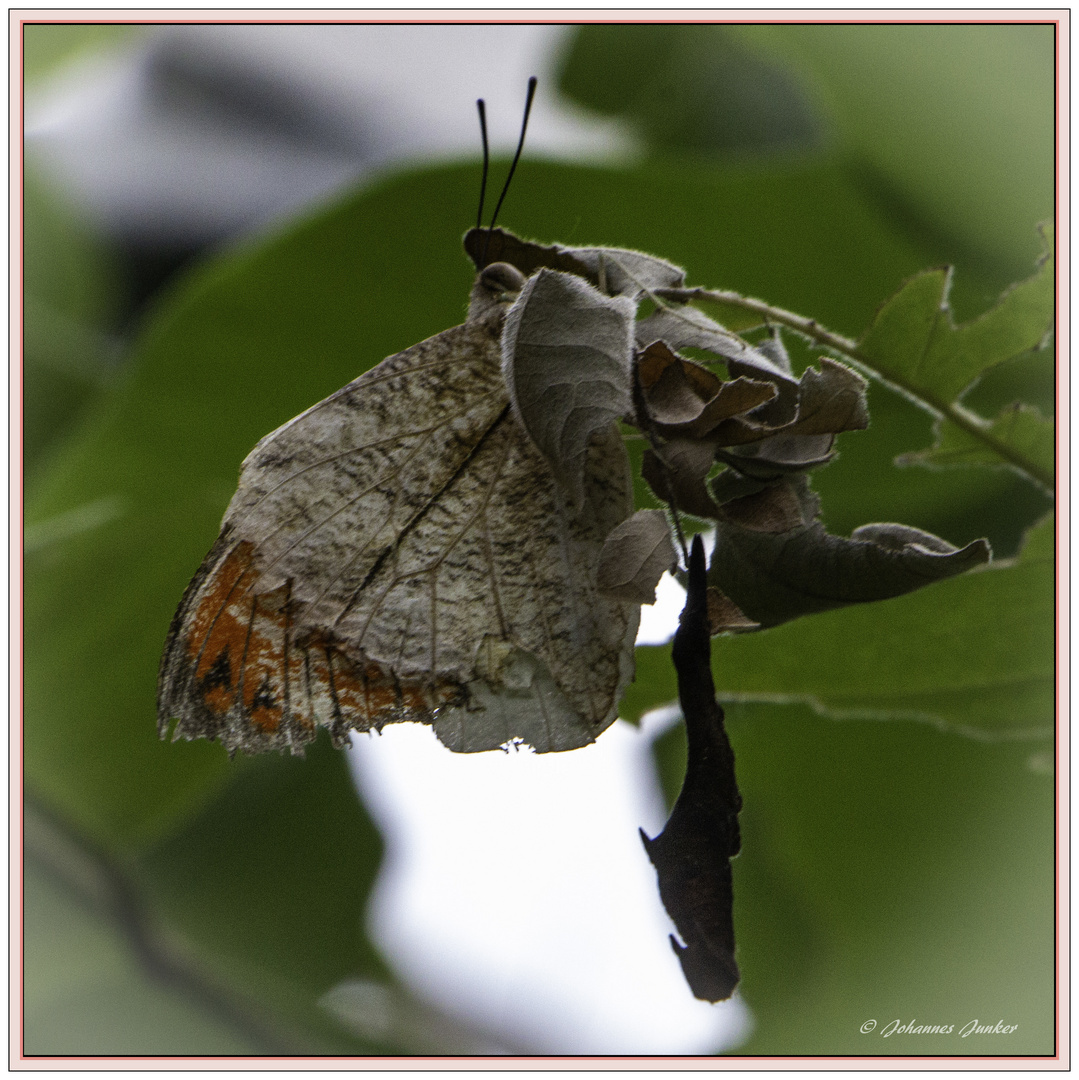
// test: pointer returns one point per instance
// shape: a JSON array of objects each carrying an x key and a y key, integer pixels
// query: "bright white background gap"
[{"x": 516, "y": 893}]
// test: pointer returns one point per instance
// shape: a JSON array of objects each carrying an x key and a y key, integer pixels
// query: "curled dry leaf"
[
  {"x": 676, "y": 472},
  {"x": 685, "y": 398},
  {"x": 725, "y": 615},
  {"x": 765, "y": 426},
  {"x": 688, "y": 328},
  {"x": 566, "y": 355},
  {"x": 829, "y": 401},
  {"x": 635, "y": 556},
  {"x": 777, "y": 576},
  {"x": 773, "y": 509},
  {"x": 692, "y": 855},
  {"x": 779, "y": 454}
]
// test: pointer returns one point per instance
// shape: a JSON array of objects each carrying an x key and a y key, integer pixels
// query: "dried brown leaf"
[
  {"x": 678, "y": 476},
  {"x": 683, "y": 398},
  {"x": 688, "y": 328},
  {"x": 635, "y": 556},
  {"x": 775, "y": 509},
  {"x": 725, "y": 615}
]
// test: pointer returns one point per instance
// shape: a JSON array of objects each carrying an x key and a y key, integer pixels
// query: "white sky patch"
[
  {"x": 516, "y": 893},
  {"x": 660, "y": 620}
]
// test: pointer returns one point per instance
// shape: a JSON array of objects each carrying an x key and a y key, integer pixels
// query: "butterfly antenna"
[
  {"x": 486, "y": 160},
  {"x": 516, "y": 157}
]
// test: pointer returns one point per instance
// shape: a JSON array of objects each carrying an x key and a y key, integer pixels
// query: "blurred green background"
[{"x": 177, "y": 902}]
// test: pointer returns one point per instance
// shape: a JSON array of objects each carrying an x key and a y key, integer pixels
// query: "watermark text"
[{"x": 917, "y": 1027}]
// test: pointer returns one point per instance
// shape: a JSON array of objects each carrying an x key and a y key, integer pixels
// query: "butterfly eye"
[{"x": 500, "y": 277}]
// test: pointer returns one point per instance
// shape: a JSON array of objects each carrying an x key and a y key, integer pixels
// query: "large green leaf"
[
  {"x": 914, "y": 344},
  {"x": 690, "y": 88},
  {"x": 71, "y": 296},
  {"x": 87, "y": 992},
  {"x": 888, "y": 872},
  {"x": 950, "y": 126},
  {"x": 121, "y": 520}
]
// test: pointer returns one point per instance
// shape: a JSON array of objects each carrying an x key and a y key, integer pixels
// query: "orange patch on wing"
[
  {"x": 219, "y": 626},
  {"x": 381, "y": 690},
  {"x": 264, "y": 662},
  {"x": 216, "y": 593},
  {"x": 416, "y": 697},
  {"x": 366, "y": 695}
]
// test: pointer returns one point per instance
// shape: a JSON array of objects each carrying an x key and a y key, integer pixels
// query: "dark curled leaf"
[
  {"x": 677, "y": 477},
  {"x": 684, "y": 398},
  {"x": 775, "y": 509},
  {"x": 829, "y": 401},
  {"x": 692, "y": 855},
  {"x": 724, "y": 615},
  {"x": 685, "y": 327},
  {"x": 780, "y": 454},
  {"x": 777, "y": 576}
]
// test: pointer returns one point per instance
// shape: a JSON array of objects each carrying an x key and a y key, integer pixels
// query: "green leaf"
[
  {"x": 1020, "y": 427},
  {"x": 86, "y": 992},
  {"x": 71, "y": 291},
  {"x": 273, "y": 872},
  {"x": 914, "y": 344},
  {"x": 690, "y": 88},
  {"x": 234, "y": 919},
  {"x": 48, "y": 46},
  {"x": 973, "y": 654}
]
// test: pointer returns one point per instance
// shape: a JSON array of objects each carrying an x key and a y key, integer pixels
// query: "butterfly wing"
[{"x": 401, "y": 551}]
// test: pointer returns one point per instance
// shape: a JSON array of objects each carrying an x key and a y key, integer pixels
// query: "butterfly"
[
  {"x": 404, "y": 550},
  {"x": 423, "y": 544}
]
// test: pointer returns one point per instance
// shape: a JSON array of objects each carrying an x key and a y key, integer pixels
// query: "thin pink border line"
[{"x": 1029, "y": 18}]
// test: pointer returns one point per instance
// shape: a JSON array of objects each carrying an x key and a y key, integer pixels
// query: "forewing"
[{"x": 400, "y": 551}]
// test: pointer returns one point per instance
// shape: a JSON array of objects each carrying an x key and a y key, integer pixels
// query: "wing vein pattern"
[{"x": 401, "y": 551}]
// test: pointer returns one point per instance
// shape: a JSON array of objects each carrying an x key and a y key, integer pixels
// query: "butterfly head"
[{"x": 495, "y": 289}]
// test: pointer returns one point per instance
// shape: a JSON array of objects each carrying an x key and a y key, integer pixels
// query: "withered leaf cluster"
[
  {"x": 762, "y": 422},
  {"x": 732, "y": 434}
]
